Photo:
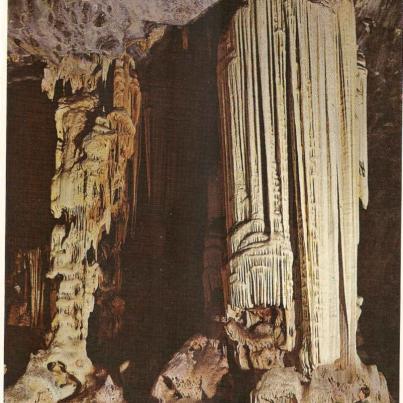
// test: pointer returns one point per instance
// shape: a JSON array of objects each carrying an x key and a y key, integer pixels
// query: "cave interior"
[{"x": 162, "y": 258}]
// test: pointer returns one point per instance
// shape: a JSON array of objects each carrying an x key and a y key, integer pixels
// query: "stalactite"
[
  {"x": 89, "y": 196},
  {"x": 292, "y": 96},
  {"x": 28, "y": 283},
  {"x": 185, "y": 38},
  {"x": 81, "y": 73},
  {"x": 147, "y": 140},
  {"x": 37, "y": 287}
]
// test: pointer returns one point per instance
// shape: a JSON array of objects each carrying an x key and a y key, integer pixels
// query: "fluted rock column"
[
  {"x": 292, "y": 104},
  {"x": 252, "y": 91}
]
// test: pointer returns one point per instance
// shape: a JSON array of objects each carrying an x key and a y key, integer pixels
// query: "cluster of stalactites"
[
  {"x": 81, "y": 73},
  {"x": 292, "y": 104}
]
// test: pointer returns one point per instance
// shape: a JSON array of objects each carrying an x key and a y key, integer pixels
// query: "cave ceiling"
[
  {"x": 52, "y": 29},
  {"x": 49, "y": 30}
]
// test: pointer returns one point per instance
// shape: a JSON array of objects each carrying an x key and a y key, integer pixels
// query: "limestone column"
[
  {"x": 253, "y": 108},
  {"x": 292, "y": 106},
  {"x": 89, "y": 195}
]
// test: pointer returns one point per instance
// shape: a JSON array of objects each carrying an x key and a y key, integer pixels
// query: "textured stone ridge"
[{"x": 52, "y": 29}]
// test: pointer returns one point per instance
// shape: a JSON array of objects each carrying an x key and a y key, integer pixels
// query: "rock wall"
[
  {"x": 379, "y": 34},
  {"x": 24, "y": 187}
]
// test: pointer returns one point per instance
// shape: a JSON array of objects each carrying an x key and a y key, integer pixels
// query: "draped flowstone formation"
[
  {"x": 254, "y": 137},
  {"x": 293, "y": 120},
  {"x": 90, "y": 199},
  {"x": 292, "y": 98},
  {"x": 292, "y": 124}
]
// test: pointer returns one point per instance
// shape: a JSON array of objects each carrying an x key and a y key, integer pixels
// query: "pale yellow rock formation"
[
  {"x": 251, "y": 73},
  {"x": 89, "y": 196}
]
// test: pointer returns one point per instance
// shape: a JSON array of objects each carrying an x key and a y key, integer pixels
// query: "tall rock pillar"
[
  {"x": 90, "y": 200},
  {"x": 293, "y": 139}
]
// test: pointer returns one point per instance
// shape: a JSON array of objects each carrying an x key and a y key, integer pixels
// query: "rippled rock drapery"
[
  {"x": 90, "y": 199},
  {"x": 293, "y": 111}
]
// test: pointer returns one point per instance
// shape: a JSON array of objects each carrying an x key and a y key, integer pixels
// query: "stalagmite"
[
  {"x": 90, "y": 198},
  {"x": 282, "y": 385}
]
